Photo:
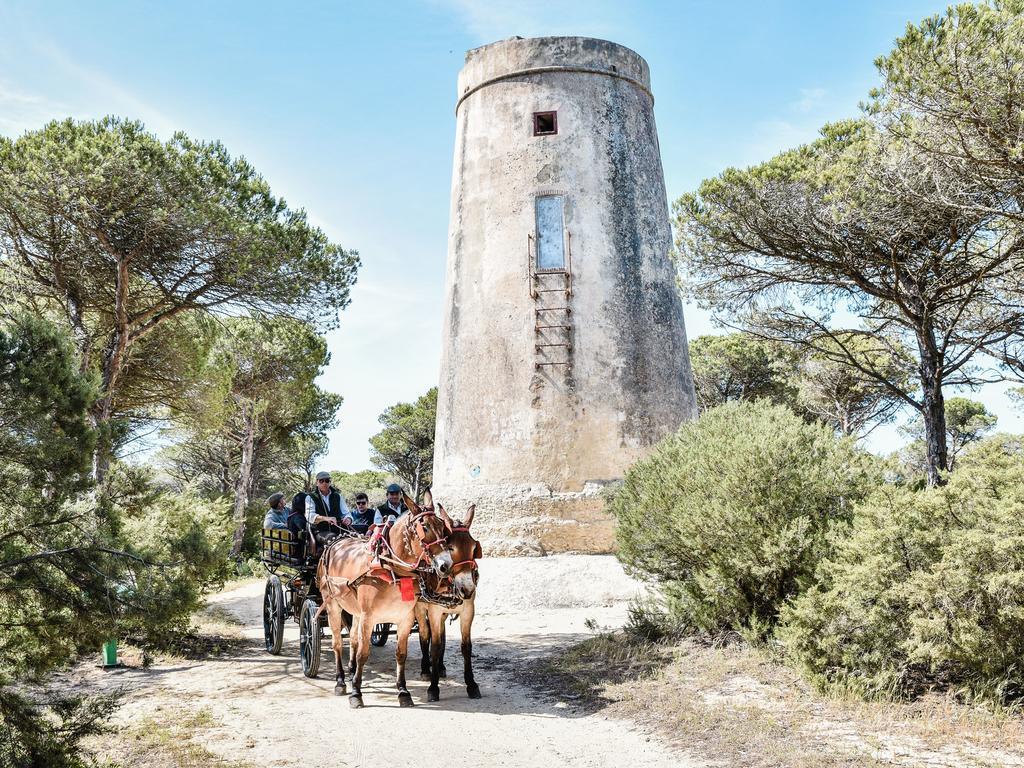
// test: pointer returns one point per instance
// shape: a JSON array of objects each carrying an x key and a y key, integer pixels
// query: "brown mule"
[
  {"x": 464, "y": 577},
  {"x": 352, "y": 580}
]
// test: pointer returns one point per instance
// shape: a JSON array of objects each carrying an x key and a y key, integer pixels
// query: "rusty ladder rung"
[
  {"x": 567, "y": 346},
  {"x": 539, "y": 365},
  {"x": 567, "y": 310},
  {"x": 542, "y": 327}
]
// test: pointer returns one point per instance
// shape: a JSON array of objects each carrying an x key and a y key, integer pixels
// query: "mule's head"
[
  {"x": 430, "y": 534},
  {"x": 465, "y": 552}
]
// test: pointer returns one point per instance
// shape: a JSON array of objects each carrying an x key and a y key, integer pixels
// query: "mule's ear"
[
  {"x": 469, "y": 516},
  {"x": 412, "y": 505},
  {"x": 443, "y": 514},
  {"x": 428, "y": 500},
  {"x": 478, "y": 552}
]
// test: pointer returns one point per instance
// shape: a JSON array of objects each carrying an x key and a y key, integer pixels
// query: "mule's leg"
[
  {"x": 436, "y": 635},
  {"x": 443, "y": 674},
  {"x": 362, "y": 626},
  {"x": 336, "y": 623},
  {"x": 352, "y": 637},
  {"x": 402, "y": 632},
  {"x": 424, "y": 626},
  {"x": 466, "y": 624},
  {"x": 351, "y": 643}
]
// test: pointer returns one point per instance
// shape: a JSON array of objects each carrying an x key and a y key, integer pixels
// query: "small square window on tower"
[{"x": 545, "y": 123}]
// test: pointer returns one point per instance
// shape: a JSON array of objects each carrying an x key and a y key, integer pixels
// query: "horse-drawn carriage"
[{"x": 291, "y": 590}]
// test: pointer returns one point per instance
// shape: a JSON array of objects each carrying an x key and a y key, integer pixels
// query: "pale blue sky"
[{"x": 347, "y": 110}]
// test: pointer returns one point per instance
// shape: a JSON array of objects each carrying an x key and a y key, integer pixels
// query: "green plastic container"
[{"x": 110, "y": 653}]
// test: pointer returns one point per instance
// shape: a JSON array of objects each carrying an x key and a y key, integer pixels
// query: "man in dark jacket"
[
  {"x": 393, "y": 507},
  {"x": 362, "y": 516},
  {"x": 385, "y": 516}
]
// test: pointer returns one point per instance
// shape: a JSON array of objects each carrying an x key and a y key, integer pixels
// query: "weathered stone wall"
[{"x": 534, "y": 447}]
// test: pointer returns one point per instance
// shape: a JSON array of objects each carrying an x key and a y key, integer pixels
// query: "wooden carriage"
[{"x": 291, "y": 590}]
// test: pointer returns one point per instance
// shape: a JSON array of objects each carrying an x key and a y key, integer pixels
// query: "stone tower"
[{"x": 564, "y": 352}]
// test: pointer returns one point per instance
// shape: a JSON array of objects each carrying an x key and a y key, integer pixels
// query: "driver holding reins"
[{"x": 326, "y": 507}]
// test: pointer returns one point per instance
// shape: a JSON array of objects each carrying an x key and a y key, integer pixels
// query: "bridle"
[
  {"x": 462, "y": 565},
  {"x": 421, "y": 531}
]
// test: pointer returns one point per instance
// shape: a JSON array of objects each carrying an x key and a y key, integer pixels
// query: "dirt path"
[{"x": 262, "y": 711}]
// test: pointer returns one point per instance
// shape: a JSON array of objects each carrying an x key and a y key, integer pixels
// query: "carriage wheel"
[
  {"x": 379, "y": 635},
  {"x": 273, "y": 615},
  {"x": 309, "y": 639}
]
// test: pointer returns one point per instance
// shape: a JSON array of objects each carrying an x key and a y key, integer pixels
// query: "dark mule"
[
  {"x": 431, "y": 616},
  {"x": 351, "y": 580}
]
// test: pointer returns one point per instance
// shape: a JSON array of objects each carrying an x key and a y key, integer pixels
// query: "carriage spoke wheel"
[
  {"x": 309, "y": 639},
  {"x": 273, "y": 615},
  {"x": 379, "y": 635}
]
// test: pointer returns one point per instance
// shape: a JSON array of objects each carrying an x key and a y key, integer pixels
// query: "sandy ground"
[{"x": 266, "y": 713}]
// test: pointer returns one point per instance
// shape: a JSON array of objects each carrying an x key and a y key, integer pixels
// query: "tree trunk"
[
  {"x": 113, "y": 360},
  {"x": 243, "y": 480},
  {"x": 416, "y": 481},
  {"x": 933, "y": 408}
]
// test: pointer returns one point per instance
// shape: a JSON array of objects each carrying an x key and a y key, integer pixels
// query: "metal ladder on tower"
[{"x": 551, "y": 291}]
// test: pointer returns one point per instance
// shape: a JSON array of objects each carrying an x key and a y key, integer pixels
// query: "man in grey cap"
[
  {"x": 325, "y": 504},
  {"x": 277, "y": 514}
]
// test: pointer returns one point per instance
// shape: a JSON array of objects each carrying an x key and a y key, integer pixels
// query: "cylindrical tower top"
[{"x": 518, "y": 57}]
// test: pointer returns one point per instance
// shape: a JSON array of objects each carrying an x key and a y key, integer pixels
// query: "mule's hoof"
[
  {"x": 474, "y": 691},
  {"x": 405, "y": 699},
  {"x": 444, "y": 671},
  {"x": 356, "y": 701},
  {"x": 433, "y": 694},
  {"x": 340, "y": 689},
  {"x": 425, "y": 677}
]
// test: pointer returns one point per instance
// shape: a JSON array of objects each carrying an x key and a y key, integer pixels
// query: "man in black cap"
[
  {"x": 393, "y": 508},
  {"x": 385, "y": 516}
]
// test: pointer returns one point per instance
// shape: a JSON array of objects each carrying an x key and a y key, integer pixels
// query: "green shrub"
[
  {"x": 731, "y": 515},
  {"x": 927, "y": 590}
]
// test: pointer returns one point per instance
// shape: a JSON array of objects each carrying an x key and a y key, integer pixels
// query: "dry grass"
[
  {"x": 733, "y": 703},
  {"x": 168, "y": 739},
  {"x": 214, "y": 631}
]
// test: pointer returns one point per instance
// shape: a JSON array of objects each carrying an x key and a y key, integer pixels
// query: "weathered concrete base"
[{"x": 533, "y": 520}]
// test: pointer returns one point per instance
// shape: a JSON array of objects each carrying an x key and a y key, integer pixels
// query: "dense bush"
[
  {"x": 928, "y": 588},
  {"x": 731, "y": 515}
]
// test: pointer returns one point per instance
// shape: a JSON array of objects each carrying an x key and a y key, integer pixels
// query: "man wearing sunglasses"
[
  {"x": 325, "y": 504},
  {"x": 362, "y": 516}
]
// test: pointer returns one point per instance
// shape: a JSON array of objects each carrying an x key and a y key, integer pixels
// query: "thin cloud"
[
  {"x": 810, "y": 99},
  {"x": 21, "y": 111},
  {"x": 109, "y": 96}
]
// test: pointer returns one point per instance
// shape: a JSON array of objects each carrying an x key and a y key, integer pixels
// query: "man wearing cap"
[
  {"x": 325, "y": 504},
  {"x": 394, "y": 507},
  {"x": 277, "y": 515},
  {"x": 386, "y": 514}
]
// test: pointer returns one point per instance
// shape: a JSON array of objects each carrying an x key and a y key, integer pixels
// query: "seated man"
[
  {"x": 326, "y": 511},
  {"x": 362, "y": 517},
  {"x": 277, "y": 514},
  {"x": 385, "y": 516}
]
